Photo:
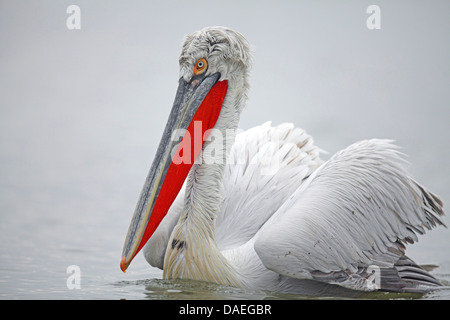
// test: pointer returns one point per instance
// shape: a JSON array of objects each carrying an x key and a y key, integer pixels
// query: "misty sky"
[{"x": 82, "y": 111}]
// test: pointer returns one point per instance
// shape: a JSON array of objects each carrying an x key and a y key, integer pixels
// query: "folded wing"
[{"x": 357, "y": 210}]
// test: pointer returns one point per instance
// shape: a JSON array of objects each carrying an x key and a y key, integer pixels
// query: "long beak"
[{"x": 197, "y": 102}]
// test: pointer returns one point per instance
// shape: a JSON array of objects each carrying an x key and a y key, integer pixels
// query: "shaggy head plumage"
[{"x": 225, "y": 50}]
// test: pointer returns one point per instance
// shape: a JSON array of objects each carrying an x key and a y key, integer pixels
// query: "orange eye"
[{"x": 200, "y": 66}]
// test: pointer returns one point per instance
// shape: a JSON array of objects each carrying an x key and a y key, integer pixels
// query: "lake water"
[{"x": 81, "y": 113}]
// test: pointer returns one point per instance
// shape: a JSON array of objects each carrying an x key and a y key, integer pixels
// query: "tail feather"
[{"x": 407, "y": 276}]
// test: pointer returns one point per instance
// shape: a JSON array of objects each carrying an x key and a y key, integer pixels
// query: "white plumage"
[
  {"x": 356, "y": 210},
  {"x": 277, "y": 217}
]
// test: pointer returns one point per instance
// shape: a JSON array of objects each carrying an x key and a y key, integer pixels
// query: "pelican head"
[
  {"x": 213, "y": 85},
  {"x": 225, "y": 51}
]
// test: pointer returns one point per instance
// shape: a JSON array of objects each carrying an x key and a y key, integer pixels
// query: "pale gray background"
[{"x": 81, "y": 113}]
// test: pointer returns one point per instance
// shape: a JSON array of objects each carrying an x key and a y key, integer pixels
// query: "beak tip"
[{"x": 123, "y": 265}]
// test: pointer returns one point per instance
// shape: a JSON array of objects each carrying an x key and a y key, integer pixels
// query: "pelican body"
[{"x": 260, "y": 209}]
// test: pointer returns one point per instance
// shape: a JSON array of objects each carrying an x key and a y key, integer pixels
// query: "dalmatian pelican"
[{"x": 259, "y": 209}]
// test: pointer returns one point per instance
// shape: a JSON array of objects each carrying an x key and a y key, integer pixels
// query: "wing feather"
[
  {"x": 357, "y": 209},
  {"x": 265, "y": 166}
]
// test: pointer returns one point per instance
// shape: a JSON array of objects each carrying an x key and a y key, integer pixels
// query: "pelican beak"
[{"x": 197, "y": 104}]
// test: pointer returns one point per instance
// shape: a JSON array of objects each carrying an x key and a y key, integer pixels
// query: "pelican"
[{"x": 260, "y": 209}]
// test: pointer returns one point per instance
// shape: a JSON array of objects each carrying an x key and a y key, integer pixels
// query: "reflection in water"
[{"x": 196, "y": 290}]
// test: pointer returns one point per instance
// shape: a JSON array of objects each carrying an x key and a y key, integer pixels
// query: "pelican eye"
[{"x": 200, "y": 66}]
